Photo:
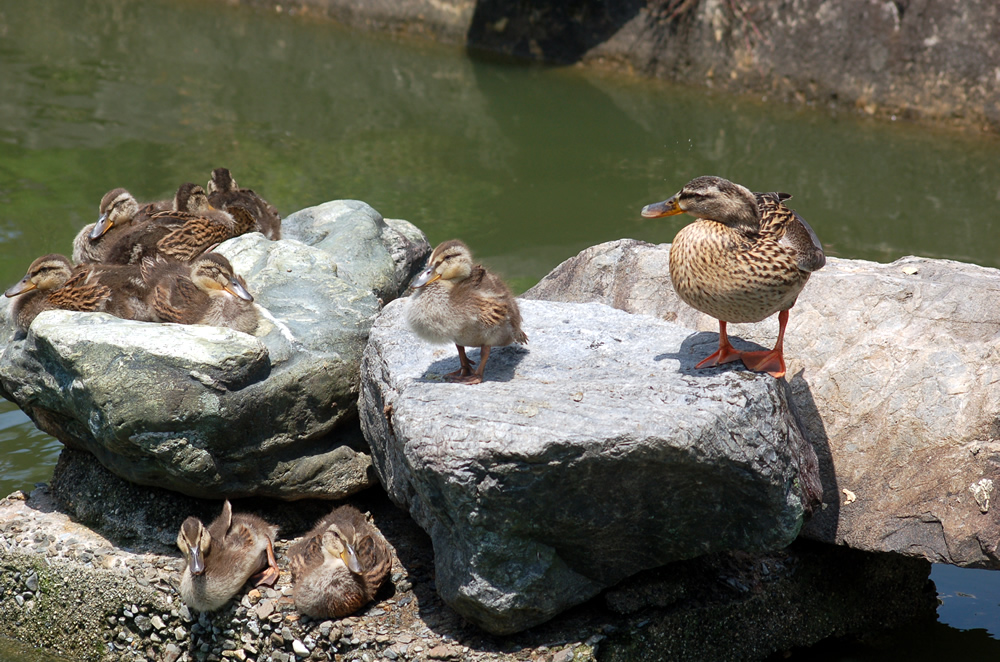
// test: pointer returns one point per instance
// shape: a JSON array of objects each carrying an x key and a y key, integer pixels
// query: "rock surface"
[
  {"x": 893, "y": 369},
  {"x": 84, "y": 595},
  {"x": 591, "y": 454},
  {"x": 212, "y": 412}
]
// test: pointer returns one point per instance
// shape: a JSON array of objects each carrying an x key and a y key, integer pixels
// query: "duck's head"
[
  {"x": 45, "y": 273},
  {"x": 335, "y": 546},
  {"x": 195, "y": 543},
  {"x": 117, "y": 208},
  {"x": 212, "y": 273},
  {"x": 191, "y": 198},
  {"x": 222, "y": 182},
  {"x": 450, "y": 261},
  {"x": 712, "y": 198}
]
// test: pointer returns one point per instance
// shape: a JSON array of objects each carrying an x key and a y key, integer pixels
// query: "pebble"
[
  {"x": 299, "y": 648},
  {"x": 31, "y": 583}
]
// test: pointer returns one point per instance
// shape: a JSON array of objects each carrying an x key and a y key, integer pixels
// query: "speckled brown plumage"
[
  {"x": 52, "y": 282},
  {"x": 457, "y": 301},
  {"x": 747, "y": 257},
  {"x": 339, "y": 565},
  {"x": 204, "y": 291},
  {"x": 224, "y": 193},
  {"x": 118, "y": 213}
]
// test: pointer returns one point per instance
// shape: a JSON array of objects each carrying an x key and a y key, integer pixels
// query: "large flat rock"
[
  {"x": 585, "y": 457},
  {"x": 212, "y": 412},
  {"x": 894, "y": 369}
]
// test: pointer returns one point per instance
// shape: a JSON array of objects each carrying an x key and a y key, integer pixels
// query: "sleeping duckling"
[
  {"x": 224, "y": 193},
  {"x": 183, "y": 233},
  {"x": 460, "y": 302},
  {"x": 52, "y": 282},
  {"x": 747, "y": 257},
  {"x": 118, "y": 213},
  {"x": 223, "y": 557},
  {"x": 339, "y": 565},
  {"x": 204, "y": 291}
]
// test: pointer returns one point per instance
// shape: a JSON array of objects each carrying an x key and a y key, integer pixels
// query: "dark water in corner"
[{"x": 528, "y": 165}]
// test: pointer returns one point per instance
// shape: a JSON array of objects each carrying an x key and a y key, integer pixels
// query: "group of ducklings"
[
  {"x": 747, "y": 257},
  {"x": 153, "y": 262},
  {"x": 337, "y": 567}
]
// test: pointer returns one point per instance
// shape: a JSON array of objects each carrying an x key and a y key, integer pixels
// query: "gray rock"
[
  {"x": 212, "y": 412},
  {"x": 589, "y": 455},
  {"x": 892, "y": 368}
]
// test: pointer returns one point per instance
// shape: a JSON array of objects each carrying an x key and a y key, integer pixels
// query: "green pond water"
[{"x": 529, "y": 165}]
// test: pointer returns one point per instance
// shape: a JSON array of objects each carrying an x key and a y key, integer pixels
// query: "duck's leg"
[
  {"x": 269, "y": 575},
  {"x": 466, "y": 368},
  {"x": 725, "y": 354},
  {"x": 770, "y": 361},
  {"x": 477, "y": 376}
]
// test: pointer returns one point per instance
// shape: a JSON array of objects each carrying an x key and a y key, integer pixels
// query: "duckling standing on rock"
[
  {"x": 460, "y": 302},
  {"x": 223, "y": 557},
  {"x": 52, "y": 282},
  {"x": 204, "y": 291},
  {"x": 746, "y": 257},
  {"x": 339, "y": 565}
]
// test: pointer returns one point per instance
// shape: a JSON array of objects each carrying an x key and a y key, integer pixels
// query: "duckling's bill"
[
  {"x": 669, "y": 207},
  {"x": 24, "y": 285},
  {"x": 236, "y": 288},
  {"x": 425, "y": 277},
  {"x": 103, "y": 225}
]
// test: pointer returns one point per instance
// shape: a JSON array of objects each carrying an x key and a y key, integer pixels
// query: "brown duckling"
[
  {"x": 460, "y": 302},
  {"x": 224, "y": 193},
  {"x": 747, "y": 257},
  {"x": 204, "y": 291},
  {"x": 191, "y": 228},
  {"x": 220, "y": 559},
  {"x": 52, "y": 282},
  {"x": 119, "y": 212},
  {"x": 338, "y": 566}
]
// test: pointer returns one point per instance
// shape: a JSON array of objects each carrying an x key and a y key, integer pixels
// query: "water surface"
[{"x": 528, "y": 165}]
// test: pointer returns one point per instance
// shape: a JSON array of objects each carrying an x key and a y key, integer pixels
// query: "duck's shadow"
[
  {"x": 500, "y": 367},
  {"x": 700, "y": 345}
]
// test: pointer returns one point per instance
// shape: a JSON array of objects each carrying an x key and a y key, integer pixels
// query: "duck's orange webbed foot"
[
  {"x": 269, "y": 575},
  {"x": 771, "y": 361},
  {"x": 725, "y": 354}
]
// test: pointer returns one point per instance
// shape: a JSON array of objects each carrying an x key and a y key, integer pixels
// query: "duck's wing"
[{"x": 83, "y": 292}]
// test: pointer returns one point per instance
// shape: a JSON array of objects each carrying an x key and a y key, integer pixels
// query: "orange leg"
[
  {"x": 465, "y": 370},
  {"x": 725, "y": 354},
  {"x": 477, "y": 376},
  {"x": 770, "y": 361},
  {"x": 269, "y": 575}
]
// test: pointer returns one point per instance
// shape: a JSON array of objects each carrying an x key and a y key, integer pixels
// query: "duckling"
[
  {"x": 460, "y": 302},
  {"x": 339, "y": 565},
  {"x": 224, "y": 193},
  {"x": 52, "y": 282},
  {"x": 183, "y": 233},
  {"x": 204, "y": 291},
  {"x": 223, "y": 557},
  {"x": 747, "y": 257},
  {"x": 118, "y": 213}
]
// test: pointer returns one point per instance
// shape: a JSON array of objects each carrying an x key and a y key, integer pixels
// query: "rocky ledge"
[{"x": 81, "y": 594}]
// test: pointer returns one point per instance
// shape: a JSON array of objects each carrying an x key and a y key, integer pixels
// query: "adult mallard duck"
[
  {"x": 52, "y": 282},
  {"x": 118, "y": 212},
  {"x": 224, "y": 193},
  {"x": 339, "y": 565},
  {"x": 189, "y": 229},
  {"x": 746, "y": 257},
  {"x": 460, "y": 302},
  {"x": 220, "y": 559},
  {"x": 203, "y": 291}
]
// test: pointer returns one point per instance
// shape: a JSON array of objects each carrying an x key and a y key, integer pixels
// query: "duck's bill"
[
  {"x": 666, "y": 208},
  {"x": 197, "y": 563},
  {"x": 102, "y": 225},
  {"x": 425, "y": 277},
  {"x": 23, "y": 286},
  {"x": 350, "y": 559},
  {"x": 237, "y": 289}
]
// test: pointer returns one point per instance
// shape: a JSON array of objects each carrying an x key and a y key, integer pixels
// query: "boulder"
[
  {"x": 212, "y": 412},
  {"x": 589, "y": 455},
  {"x": 894, "y": 370}
]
